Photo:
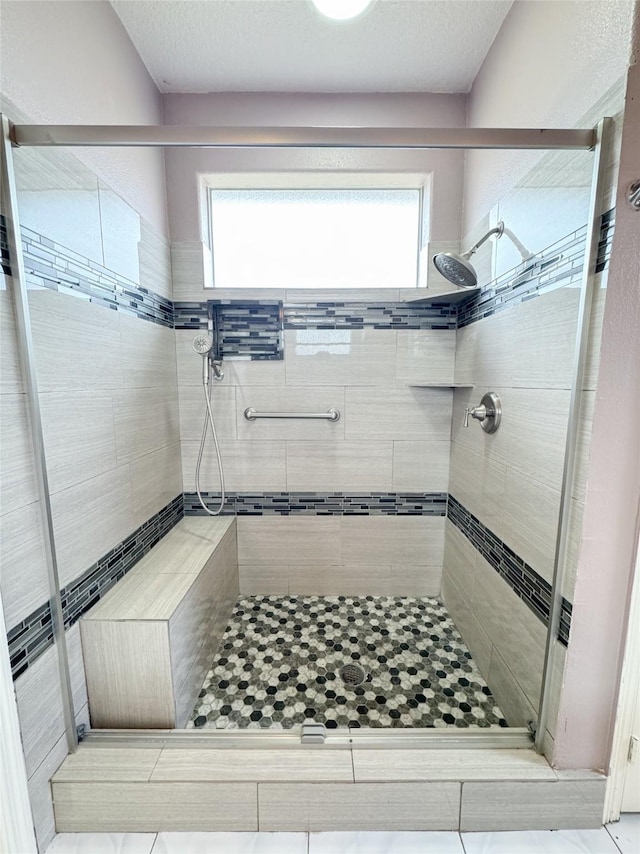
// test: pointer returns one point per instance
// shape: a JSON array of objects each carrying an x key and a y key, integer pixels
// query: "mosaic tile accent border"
[
  {"x": 50, "y": 265},
  {"x": 525, "y": 582},
  {"x": 242, "y": 329},
  {"x": 322, "y": 503},
  {"x": 4, "y": 247},
  {"x": 373, "y": 315},
  {"x": 34, "y": 635},
  {"x": 559, "y": 264},
  {"x": 250, "y": 329}
]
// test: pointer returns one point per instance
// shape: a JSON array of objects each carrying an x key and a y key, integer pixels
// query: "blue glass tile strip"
[
  {"x": 525, "y": 582},
  {"x": 4, "y": 247},
  {"x": 34, "y": 635},
  {"x": 242, "y": 329},
  {"x": 322, "y": 503},
  {"x": 559, "y": 265},
  {"x": 247, "y": 329},
  {"x": 50, "y": 265},
  {"x": 372, "y": 315}
]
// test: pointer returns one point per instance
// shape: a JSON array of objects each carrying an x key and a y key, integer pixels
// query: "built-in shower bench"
[{"x": 148, "y": 643}]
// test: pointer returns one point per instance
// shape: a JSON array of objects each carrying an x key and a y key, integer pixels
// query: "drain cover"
[{"x": 352, "y": 674}]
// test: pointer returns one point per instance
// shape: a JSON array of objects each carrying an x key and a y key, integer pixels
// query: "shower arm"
[{"x": 499, "y": 230}]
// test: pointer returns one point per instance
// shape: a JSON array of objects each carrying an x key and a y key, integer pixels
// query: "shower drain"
[{"x": 352, "y": 675}]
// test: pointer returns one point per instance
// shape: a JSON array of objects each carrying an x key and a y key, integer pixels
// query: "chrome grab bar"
[{"x": 332, "y": 415}]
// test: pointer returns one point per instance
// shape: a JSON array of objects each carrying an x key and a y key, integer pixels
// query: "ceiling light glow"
[{"x": 341, "y": 10}]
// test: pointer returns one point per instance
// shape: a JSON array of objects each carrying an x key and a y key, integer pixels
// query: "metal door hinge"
[
  {"x": 633, "y": 743},
  {"x": 313, "y": 734}
]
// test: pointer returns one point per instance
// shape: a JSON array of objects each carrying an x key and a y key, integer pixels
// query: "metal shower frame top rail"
[
  {"x": 302, "y": 137},
  {"x": 178, "y": 136}
]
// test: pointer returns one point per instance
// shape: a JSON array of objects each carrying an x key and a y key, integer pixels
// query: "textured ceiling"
[{"x": 285, "y": 46}]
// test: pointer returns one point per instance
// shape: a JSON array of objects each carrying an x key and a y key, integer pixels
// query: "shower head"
[
  {"x": 456, "y": 269},
  {"x": 202, "y": 344}
]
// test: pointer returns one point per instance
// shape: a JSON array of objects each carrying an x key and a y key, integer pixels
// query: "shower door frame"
[{"x": 595, "y": 139}]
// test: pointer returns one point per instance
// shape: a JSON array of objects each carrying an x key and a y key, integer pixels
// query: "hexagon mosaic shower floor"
[{"x": 279, "y": 665}]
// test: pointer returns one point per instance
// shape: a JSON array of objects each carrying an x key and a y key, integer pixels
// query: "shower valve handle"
[
  {"x": 478, "y": 412},
  {"x": 488, "y": 413}
]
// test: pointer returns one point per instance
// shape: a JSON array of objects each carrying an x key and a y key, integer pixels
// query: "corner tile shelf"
[
  {"x": 440, "y": 385},
  {"x": 449, "y": 297}
]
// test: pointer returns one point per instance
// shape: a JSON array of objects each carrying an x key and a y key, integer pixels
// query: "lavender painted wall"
[
  {"x": 73, "y": 63},
  {"x": 612, "y": 506},
  {"x": 548, "y": 65},
  {"x": 255, "y": 109}
]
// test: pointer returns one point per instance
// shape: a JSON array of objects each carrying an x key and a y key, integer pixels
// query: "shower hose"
[{"x": 209, "y": 421}]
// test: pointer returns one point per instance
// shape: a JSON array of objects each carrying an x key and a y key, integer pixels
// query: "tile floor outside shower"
[{"x": 280, "y": 664}]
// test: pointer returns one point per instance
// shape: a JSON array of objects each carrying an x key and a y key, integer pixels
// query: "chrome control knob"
[{"x": 488, "y": 413}]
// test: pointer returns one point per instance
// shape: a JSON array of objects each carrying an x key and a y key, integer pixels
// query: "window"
[{"x": 315, "y": 238}]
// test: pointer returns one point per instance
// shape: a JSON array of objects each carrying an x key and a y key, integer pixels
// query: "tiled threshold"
[{"x": 315, "y": 788}]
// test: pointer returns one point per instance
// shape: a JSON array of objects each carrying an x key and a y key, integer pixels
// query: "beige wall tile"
[
  {"x": 426, "y": 355},
  {"x": 187, "y": 271},
  {"x": 532, "y": 806},
  {"x": 17, "y": 475},
  {"x": 23, "y": 565},
  {"x": 266, "y": 579},
  {"x": 328, "y": 356},
  {"x": 461, "y": 610},
  {"x": 148, "y": 353},
  {"x": 531, "y": 436},
  {"x": 237, "y": 765},
  {"x": 103, "y": 764},
  {"x": 512, "y": 700},
  {"x": 40, "y": 794},
  {"x": 359, "y": 806},
  {"x": 78, "y": 436},
  {"x": 91, "y": 518},
  {"x": 290, "y": 399},
  {"x": 339, "y": 466},
  {"x": 40, "y": 709},
  {"x": 459, "y": 558},
  {"x": 412, "y": 580},
  {"x": 478, "y": 483},
  {"x": 392, "y": 539},
  {"x": 420, "y": 466},
  {"x": 288, "y": 539},
  {"x": 136, "y": 807},
  {"x": 77, "y": 343},
  {"x": 529, "y": 522},
  {"x": 193, "y": 408},
  {"x": 145, "y": 420},
  {"x": 342, "y": 580},
  {"x": 10, "y": 370},
  {"x": 398, "y": 413},
  {"x": 156, "y": 479},
  {"x": 456, "y": 765},
  {"x": 303, "y": 295},
  {"x": 248, "y": 466},
  {"x": 154, "y": 257}
]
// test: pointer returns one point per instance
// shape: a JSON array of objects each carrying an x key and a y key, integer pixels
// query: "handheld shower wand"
[{"x": 203, "y": 344}]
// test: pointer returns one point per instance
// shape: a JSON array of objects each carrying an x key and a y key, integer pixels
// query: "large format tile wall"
[
  {"x": 505, "y": 487},
  {"x": 349, "y": 507},
  {"x": 106, "y": 371}
]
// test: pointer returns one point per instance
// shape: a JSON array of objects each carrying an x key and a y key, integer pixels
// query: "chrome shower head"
[
  {"x": 202, "y": 344},
  {"x": 459, "y": 271},
  {"x": 456, "y": 269}
]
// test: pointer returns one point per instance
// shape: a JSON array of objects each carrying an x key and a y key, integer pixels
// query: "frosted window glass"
[{"x": 315, "y": 238}]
